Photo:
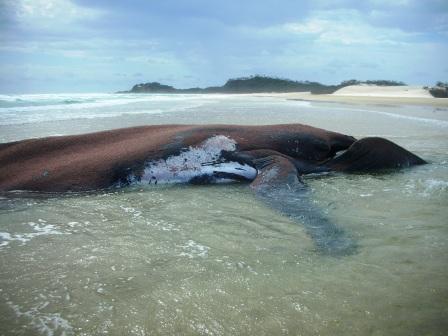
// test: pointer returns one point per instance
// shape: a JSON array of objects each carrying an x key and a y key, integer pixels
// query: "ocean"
[{"x": 214, "y": 260}]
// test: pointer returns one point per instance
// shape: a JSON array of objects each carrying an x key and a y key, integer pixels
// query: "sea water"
[{"x": 214, "y": 260}]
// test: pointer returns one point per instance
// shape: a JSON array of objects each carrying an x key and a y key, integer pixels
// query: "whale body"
[{"x": 272, "y": 158}]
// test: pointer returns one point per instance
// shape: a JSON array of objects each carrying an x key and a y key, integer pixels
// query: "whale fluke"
[{"x": 373, "y": 154}]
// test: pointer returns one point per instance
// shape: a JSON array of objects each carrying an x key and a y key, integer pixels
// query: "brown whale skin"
[{"x": 99, "y": 160}]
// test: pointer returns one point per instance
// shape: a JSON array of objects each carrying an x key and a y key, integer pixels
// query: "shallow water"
[{"x": 214, "y": 260}]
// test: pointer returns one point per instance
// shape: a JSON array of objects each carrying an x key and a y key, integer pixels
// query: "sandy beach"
[{"x": 370, "y": 94}]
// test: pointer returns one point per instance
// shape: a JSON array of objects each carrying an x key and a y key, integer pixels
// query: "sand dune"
[
  {"x": 370, "y": 94},
  {"x": 365, "y": 90}
]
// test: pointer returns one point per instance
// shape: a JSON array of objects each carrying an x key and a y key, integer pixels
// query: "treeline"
[
  {"x": 440, "y": 90},
  {"x": 253, "y": 84},
  {"x": 259, "y": 84},
  {"x": 382, "y": 82},
  {"x": 256, "y": 84},
  {"x": 153, "y": 87}
]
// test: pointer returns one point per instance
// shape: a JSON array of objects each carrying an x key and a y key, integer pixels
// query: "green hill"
[{"x": 258, "y": 84}]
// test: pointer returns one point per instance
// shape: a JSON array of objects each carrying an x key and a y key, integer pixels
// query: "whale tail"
[
  {"x": 278, "y": 185},
  {"x": 373, "y": 154}
]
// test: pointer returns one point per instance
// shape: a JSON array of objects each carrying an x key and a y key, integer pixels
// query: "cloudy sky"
[{"x": 108, "y": 45}]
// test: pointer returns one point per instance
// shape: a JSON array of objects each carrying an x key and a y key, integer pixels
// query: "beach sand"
[{"x": 369, "y": 94}]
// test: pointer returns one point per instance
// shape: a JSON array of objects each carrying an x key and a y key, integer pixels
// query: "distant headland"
[
  {"x": 263, "y": 84},
  {"x": 258, "y": 84}
]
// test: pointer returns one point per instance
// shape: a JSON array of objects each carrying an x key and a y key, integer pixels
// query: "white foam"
[
  {"x": 134, "y": 212},
  {"x": 162, "y": 225},
  {"x": 435, "y": 122},
  {"x": 46, "y": 102},
  {"x": 86, "y": 104},
  {"x": 433, "y": 186},
  {"x": 5, "y": 237},
  {"x": 39, "y": 230},
  {"x": 441, "y": 123},
  {"x": 48, "y": 324},
  {"x": 49, "y": 107},
  {"x": 194, "y": 249},
  {"x": 196, "y": 161},
  {"x": 426, "y": 187}
]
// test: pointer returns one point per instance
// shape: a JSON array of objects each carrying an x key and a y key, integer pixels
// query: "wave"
[
  {"x": 50, "y": 107},
  {"x": 436, "y": 122},
  {"x": 82, "y": 101},
  {"x": 9, "y": 120}
]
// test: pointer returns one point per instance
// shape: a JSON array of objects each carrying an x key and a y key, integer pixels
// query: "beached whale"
[{"x": 271, "y": 157}]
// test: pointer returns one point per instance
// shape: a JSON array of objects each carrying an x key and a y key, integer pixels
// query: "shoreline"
[{"x": 357, "y": 100}]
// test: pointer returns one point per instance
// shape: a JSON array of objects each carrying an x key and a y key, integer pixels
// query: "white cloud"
[
  {"x": 80, "y": 47},
  {"x": 390, "y": 3},
  {"x": 349, "y": 32},
  {"x": 314, "y": 26},
  {"x": 51, "y": 13},
  {"x": 345, "y": 27}
]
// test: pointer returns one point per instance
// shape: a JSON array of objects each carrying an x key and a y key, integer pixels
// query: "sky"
[{"x": 107, "y": 45}]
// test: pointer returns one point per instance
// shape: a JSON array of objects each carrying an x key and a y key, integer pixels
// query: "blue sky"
[{"x": 107, "y": 45}]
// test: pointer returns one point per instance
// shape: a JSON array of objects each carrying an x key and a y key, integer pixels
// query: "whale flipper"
[
  {"x": 275, "y": 172},
  {"x": 278, "y": 185}
]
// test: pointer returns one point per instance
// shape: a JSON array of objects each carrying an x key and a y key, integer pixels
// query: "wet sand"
[{"x": 360, "y": 100}]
